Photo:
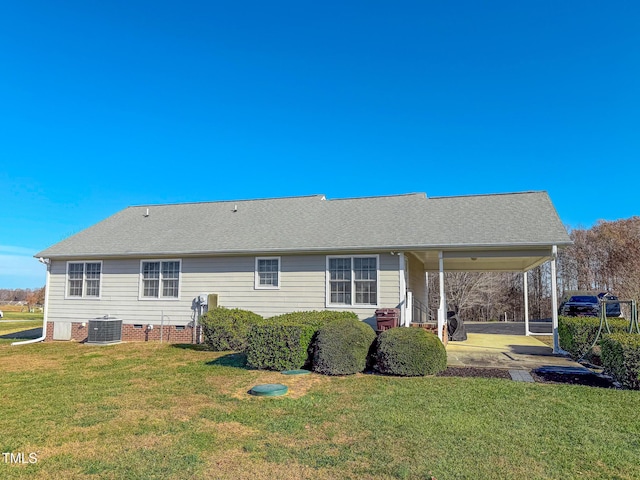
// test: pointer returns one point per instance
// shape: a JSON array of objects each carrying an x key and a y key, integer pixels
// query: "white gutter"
[{"x": 46, "y": 262}]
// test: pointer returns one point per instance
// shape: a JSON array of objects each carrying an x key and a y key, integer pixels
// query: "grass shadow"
[
  {"x": 190, "y": 346},
  {"x": 237, "y": 360},
  {"x": 23, "y": 334}
]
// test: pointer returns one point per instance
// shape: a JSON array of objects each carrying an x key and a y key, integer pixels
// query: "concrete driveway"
[
  {"x": 504, "y": 351},
  {"x": 508, "y": 328}
]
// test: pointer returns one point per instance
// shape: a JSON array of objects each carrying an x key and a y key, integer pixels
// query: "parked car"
[
  {"x": 613, "y": 309},
  {"x": 1, "y": 314},
  {"x": 581, "y": 306}
]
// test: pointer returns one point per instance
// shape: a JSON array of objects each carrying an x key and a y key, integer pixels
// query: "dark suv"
[{"x": 581, "y": 306}]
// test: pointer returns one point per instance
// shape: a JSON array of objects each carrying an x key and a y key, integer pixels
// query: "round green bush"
[
  {"x": 409, "y": 352},
  {"x": 341, "y": 347},
  {"x": 227, "y": 329}
]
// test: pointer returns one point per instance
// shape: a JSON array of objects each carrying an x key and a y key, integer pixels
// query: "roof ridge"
[
  {"x": 225, "y": 201},
  {"x": 379, "y": 196},
  {"x": 488, "y": 194}
]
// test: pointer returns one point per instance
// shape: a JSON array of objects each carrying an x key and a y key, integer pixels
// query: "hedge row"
[
  {"x": 577, "y": 334},
  {"x": 284, "y": 342},
  {"x": 620, "y": 353},
  {"x": 279, "y": 346},
  {"x": 332, "y": 343}
]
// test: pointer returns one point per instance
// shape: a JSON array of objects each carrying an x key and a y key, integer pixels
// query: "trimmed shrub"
[
  {"x": 279, "y": 346},
  {"x": 577, "y": 334},
  {"x": 341, "y": 347},
  {"x": 227, "y": 329},
  {"x": 409, "y": 352},
  {"x": 313, "y": 317},
  {"x": 284, "y": 342},
  {"x": 621, "y": 356}
]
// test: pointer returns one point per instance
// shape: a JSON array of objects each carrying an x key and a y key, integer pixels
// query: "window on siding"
[
  {"x": 170, "y": 278},
  {"x": 349, "y": 275},
  {"x": 366, "y": 280},
  {"x": 340, "y": 280},
  {"x": 83, "y": 279},
  {"x": 267, "y": 272},
  {"x": 160, "y": 279}
]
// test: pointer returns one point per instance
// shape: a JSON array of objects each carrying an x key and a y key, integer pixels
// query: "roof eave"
[{"x": 317, "y": 249}]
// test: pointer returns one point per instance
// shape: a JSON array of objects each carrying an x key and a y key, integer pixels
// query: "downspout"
[{"x": 47, "y": 262}]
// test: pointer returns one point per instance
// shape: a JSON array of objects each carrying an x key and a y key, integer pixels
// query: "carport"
[
  {"x": 495, "y": 233},
  {"x": 487, "y": 259}
]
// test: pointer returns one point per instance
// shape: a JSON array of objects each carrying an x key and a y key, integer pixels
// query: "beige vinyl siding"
[
  {"x": 417, "y": 278},
  {"x": 119, "y": 293},
  {"x": 302, "y": 287}
]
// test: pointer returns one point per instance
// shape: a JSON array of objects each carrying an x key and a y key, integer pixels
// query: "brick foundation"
[{"x": 170, "y": 333}]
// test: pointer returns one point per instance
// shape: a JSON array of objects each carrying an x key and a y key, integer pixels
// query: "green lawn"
[
  {"x": 158, "y": 411},
  {"x": 21, "y": 315},
  {"x": 13, "y": 322}
]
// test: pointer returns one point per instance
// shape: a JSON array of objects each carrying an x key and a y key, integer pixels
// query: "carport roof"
[{"x": 515, "y": 222}]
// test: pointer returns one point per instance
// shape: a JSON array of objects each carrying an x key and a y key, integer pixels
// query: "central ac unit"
[{"x": 105, "y": 330}]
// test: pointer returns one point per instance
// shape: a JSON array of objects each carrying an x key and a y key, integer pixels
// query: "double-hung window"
[
  {"x": 83, "y": 279},
  {"x": 160, "y": 279},
  {"x": 352, "y": 280},
  {"x": 267, "y": 273}
]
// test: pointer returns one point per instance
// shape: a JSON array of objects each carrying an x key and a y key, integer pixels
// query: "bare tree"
[{"x": 605, "y": 257}]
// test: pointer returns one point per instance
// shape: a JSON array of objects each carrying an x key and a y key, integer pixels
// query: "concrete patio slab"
[{"x": 504, "y": 351}]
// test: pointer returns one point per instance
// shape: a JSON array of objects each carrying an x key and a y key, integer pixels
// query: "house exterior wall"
[
  {"x": 417, "y": 279},
  {"x": 302, "y": 286}
]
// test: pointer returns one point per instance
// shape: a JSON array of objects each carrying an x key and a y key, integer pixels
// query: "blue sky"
[{"x": 110, "y": 104}]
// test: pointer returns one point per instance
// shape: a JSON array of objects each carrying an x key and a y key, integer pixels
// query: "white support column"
[
  {"x": 554, "y": 300},
  {"x": 426, "y": 296},
  {"x": 526, "y": 303},
  {"x": 409, "y": 311},
  {"x": 442, "y": 308},
  {"x": 403, "y": 288}
]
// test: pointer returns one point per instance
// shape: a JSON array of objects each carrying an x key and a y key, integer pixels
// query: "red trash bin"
[{"x": 387, "y": 318}]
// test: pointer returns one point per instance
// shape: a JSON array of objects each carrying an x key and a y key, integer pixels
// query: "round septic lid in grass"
[
  {"x": 269, "y": 390},
  {"x": 296, "y": 372}
]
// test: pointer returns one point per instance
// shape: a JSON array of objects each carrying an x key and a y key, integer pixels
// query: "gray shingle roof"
[{"x": 305, "y": 224}]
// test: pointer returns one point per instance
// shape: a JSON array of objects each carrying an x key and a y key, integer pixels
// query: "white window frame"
[
  {"x": 256, "y": 283},
  {"x": 83, "y": 296},
  {"x": 328, "y": 303},
  {"x": 160, "y": 279}
]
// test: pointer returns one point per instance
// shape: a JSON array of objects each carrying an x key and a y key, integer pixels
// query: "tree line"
[
  {"x": 28, "y": 296},
  {"x": 603, "y": 258}
]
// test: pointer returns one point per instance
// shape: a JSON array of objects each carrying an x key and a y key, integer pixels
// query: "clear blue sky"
[{"x": 110, "y": 104}]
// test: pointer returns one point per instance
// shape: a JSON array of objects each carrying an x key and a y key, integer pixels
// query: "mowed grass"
[
  {"x": 158, "y": 411},
  {"x": 10, "y": 325},
  {"x": 9, "y": 315}
]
